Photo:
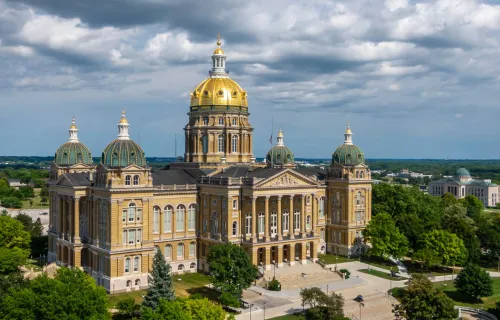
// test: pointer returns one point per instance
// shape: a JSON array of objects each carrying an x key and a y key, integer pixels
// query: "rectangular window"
[
  {"x": 131, "y": 236},
  {"x": 139, "y": 234},
  {"x": 139, "y": 214},
  {"x": 205, "y": 121},
  {"x": 167, "y": 221},
  {"x": 127, "y": 265},
  {"x": 136, "y": 264},
  {"x": 131, "y": 214},
  {"x": 191, "y": 219},
  {"x": 124, "y": 237},
  {"x": 235, "y": 204},
  {"x": 179, "y": 219},
  {"x": 124, "y": 215},
  {"x": 261, "y": 222},
  {"x": 156, "y": 217},
  {"x": 191, "y": 249}
]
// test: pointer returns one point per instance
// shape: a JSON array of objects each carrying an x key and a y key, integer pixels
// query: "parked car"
[{"x": 359, "y": 298}]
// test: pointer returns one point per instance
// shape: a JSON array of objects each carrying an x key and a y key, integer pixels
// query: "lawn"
[
  {"x": 37, "y": 204},
  {"x": 332, "y": 259},
  {"x": 184, "y": 286},
  {"x": 380, "y": 274},
  {"x": 290, "y": 317},
  {"x": 459, "y": 299}
]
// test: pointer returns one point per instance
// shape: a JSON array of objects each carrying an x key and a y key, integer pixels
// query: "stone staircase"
[{"x": 299, "y": 276}]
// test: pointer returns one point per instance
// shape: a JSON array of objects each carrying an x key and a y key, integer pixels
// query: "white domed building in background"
[{"x": 462, "y": 184}]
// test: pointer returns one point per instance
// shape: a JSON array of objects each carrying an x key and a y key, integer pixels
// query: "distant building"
[
  {"x": 462, "y": 184},
  {"x": 16, "y": 183}
]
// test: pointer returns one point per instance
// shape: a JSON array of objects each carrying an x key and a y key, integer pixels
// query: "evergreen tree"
[{"x": 160, "y": 282}]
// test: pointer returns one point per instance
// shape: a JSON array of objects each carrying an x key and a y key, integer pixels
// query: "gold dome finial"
[
  {"x": 348, "y": 129},
  {"x": 280, "y": 133},
  {"x": 123, "y": 119},
  {"x": 73, "y": 124},
  {"x": 219, "y": 50}
]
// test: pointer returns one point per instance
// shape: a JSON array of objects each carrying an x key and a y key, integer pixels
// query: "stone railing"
[{"x": 480, "y": 314}]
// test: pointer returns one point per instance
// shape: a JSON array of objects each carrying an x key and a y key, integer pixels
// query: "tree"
[
  {"x": 12, "y": 259},
  {"x": 34, "y": 228},
  {"x": 323, "y": 306},
  {"x": 420, "y": 300},
  {"x": 473, "y": 205},
  {"x": 428, "y": 257},
  {"x": 474, "y": 282},
  {"x": 448, "y": 200},
  {"x": 230, "y": 268},
  {"x": 186, "y": 309},
  {"x": 385, "y": 237},
  {"x": 70, "y": 295},
  {"x": 127, "y": 308},
  {"x": 12, "y": 202},
  {"x": 160, "y": 282},
  {"x": 12, "y": 234},
  {"x": 456, "y": 221},
  {"x": 445, "y": 245}
]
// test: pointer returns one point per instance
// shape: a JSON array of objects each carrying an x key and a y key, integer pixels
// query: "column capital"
[
  {"x": 267, "y": 198},
  {"x": 120, "y": 201},
  {"x": 77, "y": 199},
  {"x": 279, "y": 197}
]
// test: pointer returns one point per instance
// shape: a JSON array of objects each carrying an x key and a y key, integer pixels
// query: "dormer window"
[
  {"x": 221, "y": 93},
  {"x": 221, "y": 121},
  {"x": 128, "y": 180},
  {"x": 136, "y": 180},
  {"x": 205, "y": 93},
  {"x": 235, "y": 121}
]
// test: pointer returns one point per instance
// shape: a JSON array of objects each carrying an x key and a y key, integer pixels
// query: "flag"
[{"x": 271, "y": 139}]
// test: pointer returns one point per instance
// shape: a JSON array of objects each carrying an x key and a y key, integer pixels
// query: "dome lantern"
[
  {"x": 73, "y": 131},
  {"x": 123, "y": 128},
  {"x": 73, "y": 151},
  {"x": 348, "y": 153},
  {"x": 218, "y": 61},
  {"x": 280, "y": 155}
]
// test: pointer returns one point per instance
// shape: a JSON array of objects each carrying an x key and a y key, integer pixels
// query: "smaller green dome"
[
  {"x": 72, "y": 153},
  {"x": 122, "y": 153},
  {"x": 462, "y": 172},
  {"x": 348, "y": 154},
  {"x": 280, "y": 155}
]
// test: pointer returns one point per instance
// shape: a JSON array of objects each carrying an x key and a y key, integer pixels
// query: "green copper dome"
[
  {"x": 280, "y": 155},
  {"x": 348, "y": 154},
  {"x": 122, "y": 153},
  {"x": 462, "y": 172},
  {"x": 72, "y": 153}
]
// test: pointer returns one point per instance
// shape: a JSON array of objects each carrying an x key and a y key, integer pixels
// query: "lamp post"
[
  {"x": 274, "y": 276},
  {"x": 251, "y": 305},
  {"x": 361, "y": 304},
  {"x": 326, "y": 289},
  {"x": 264, "y": 310}
]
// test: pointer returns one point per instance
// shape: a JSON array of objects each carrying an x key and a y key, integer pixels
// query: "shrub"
[
  {"x": 346, "y": 273},
  {"x": 274, "y": 285},
  {"x": 229, "y": 300},
  {"x": 12, "y": 202},
  {"x": 128, "y": 308}
]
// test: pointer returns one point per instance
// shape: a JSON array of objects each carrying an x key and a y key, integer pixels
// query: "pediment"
[
  {"x": 81, "y": 166},
  {"x": 287, "y": 178},
  {"x": 133, "y": 167}
]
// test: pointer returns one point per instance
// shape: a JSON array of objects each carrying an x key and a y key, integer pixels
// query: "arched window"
[
  {"x": 168, "y": 252},
  {"x": 221, "y": 143},
  {"x": 235, "y": 204},
  {"x": 322, "y": 235},
  {"x": 286, "y": 221},
  {"x": 156, "y": 219},
  {"x": 167, "y": 219},
  {"x": 235, "y": 121},
  {"x": 361, "y": 174},
  {"x": 308, "y": 200},
  {"x": 322, "y": 207},
  {"x": 136, "y": 264},
  {"x": 296, "y": 219},
  {"x": 261, "y": 222},
  {"x": 235, "y": 228},
  {"x": 192, "y": 217},
  {"x": 248, "y": 225},
  {"x": 131, "y": 212},
  {"x": 214, "y": 223},
  {"x": 180, "y": 251},
  {"x": 192, "y": 249},
  {"x": 357, "y": 174},
  {"x": 204, "y": 143},
  {"x": 308, "y": 222},
  {"x": 127, "y": 180},
  {"x": 192, "y": 266},
  {"x": 179, "y": 218},
  {"x": 234, "y": 145},
  {"x": 129, "y": 283},
  {"x": 358, "y": 199},
  {"x": 136, "y": 179},
  {"x": 221, "y": 121},
  {"x": 127, "y": 265},
  {"x": 180, "y": 267},
  {"x": 137, "y": 282}
]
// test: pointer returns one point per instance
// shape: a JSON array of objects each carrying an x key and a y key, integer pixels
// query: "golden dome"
[
  {"x": 123, "y": 119},
  {"x": 73, "y": 125},
  {"x": 221, "y": 91},
  {"x": 219, "y": 51}
]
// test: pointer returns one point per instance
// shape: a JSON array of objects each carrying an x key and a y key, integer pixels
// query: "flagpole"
[{"x": 272, "y": 149}]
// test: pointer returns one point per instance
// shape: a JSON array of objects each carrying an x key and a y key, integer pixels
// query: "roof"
[
  {"x": 312, "y": 172},
  {"x": 462, "y": 172},
  {"x": 122, "y": 153},
  {"x": 348, "y": 154},
  {"x": 75, "y": 179},
  {"x": 169, "y": 176},
  {"x": 249, "y": 172},
  {"x": 466, "y": 183}
]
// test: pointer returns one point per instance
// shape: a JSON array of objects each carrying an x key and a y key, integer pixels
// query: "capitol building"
[{"x": 109, "y": 218}]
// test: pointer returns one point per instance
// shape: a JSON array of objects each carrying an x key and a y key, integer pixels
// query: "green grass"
[
  {"x": 459, "y": 299},
  {"x": 188, "y": 284},
  {"x": 36, "y": 203},
  {"x": 379, "y": 262},
  {"x": 290, "y": 317},
  {"x": 380, "y": 274},
  {"x": 332, "y": 259}
]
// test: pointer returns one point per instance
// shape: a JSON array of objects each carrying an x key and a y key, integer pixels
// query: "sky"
[{"x": 415, "y": 79}]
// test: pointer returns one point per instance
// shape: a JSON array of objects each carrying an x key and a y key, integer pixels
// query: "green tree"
[
  {"x": 160, "y": 282},
  {"x": 420, "y": 300},
  {"x": 35, "y": 228},
  {"x": 323, "y": 306},
  {"x": 385, "y": 237},
  {"x": 13, "y": 281},
  {"x": 12, "y": 234},
  {"x": 127, "y": 308},
  {"x": 12, "y": 259},
  {"x": 27, "y": 191},
  {"x": 12, "y": 202},
  {"x": 70, "y": 295},
  {"x": 456, "y": 221},
  {"x": 230, "y": 268},
  {"x": 448, "y": 199},
  {"x": 474, "y": 282},
  {"x": 428, "y": 257},
  {"x": 445, "y": 245},
  {"x": 185, "y": 309},
  {"x": 473, "y": 205}
]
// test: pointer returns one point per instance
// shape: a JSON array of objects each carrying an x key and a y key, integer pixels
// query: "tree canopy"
[
  {"x": 474, "y": 282},
  {"x": 385, "y": 238},
  {"x": 323, "y": 306},
  {"x": 12, "y": 233},
  {"x": 230, "y": 268},
  {"x": 70, "y": 295},
  {"x": 160, "y": 282},
  {"x": 186, "y": 309},
  {"x": 445, "y": 245}
]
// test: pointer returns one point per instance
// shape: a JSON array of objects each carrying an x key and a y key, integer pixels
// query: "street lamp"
[
  {"x": 251, "y": 305},
  {"x": 326, "y": 289},
  {"x": 264, "y": 310},
  {"x": 361, "y": 304}
]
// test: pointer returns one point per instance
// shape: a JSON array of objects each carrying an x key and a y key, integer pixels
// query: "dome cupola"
[
  {"x": 348, "y": 153},
  {"x": 73, "y": 151},
  {"x": 280, "y": 155},
  {"x": 123, "y": 152}
]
